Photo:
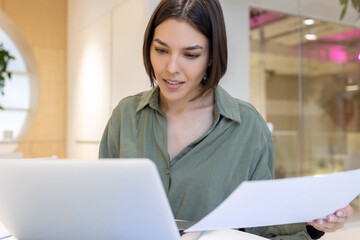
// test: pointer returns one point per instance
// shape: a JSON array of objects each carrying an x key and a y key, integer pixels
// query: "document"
[
  {"x": 282, "y": 201},
  {"x": 4, "y": 234}
]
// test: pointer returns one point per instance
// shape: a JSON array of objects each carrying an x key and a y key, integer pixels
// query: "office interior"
[{"x": 295, "y": 61}]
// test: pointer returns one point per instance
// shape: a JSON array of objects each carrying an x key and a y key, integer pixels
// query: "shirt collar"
[
  {"x": 150, "y": 98},
  {"x": 225, "y": 103}
]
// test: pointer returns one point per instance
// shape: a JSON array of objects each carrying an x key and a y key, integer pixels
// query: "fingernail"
[
  {"x": 331, "y": 218},
  {"x": 339, "y": 213}
]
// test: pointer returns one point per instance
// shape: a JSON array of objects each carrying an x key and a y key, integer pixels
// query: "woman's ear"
[{"x": 210, "y": 62}]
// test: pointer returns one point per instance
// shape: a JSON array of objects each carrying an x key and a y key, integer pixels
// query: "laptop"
[{"x": 84, "y": 199}]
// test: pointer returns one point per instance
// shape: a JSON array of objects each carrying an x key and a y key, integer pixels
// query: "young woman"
[{"x": 203, "y": 141}]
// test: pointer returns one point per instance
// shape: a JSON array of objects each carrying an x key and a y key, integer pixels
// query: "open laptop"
[{"x": 84, "y": 199}]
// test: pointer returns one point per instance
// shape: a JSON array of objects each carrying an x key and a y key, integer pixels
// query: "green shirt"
[{"x": 237, "y": 147}]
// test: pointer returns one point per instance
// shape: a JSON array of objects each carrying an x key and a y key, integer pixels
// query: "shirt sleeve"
[
  {"x": 282, "y": 232},
  {"x": 265, "y": 169},
  {"x": 314, "y": 233},
  {"x": 265, "y": 159},
  {"x": 109, "y": 144}
]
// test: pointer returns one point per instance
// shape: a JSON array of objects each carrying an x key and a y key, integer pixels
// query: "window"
[{"x": 21, "y": 98}]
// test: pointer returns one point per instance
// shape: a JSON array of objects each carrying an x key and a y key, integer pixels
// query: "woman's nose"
[{"x": 173, "y": 65}]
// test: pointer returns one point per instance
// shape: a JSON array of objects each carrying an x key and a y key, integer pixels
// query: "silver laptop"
[{"x": 84, "y": 199}]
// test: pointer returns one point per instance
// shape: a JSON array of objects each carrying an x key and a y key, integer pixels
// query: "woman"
[{"x": 203, "y": 141}]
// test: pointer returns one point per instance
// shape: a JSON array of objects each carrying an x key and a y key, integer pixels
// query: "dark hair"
[{"x": 207, "y": 17}]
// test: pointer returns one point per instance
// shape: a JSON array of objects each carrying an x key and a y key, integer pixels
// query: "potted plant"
[
  {"x": 5, "y": 58},
  {"x": 345, "y": 3}
]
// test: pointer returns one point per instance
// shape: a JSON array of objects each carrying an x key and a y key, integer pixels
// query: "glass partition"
[{"x": 305, "y": 81}]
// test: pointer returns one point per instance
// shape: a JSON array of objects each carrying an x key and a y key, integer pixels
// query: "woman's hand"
[{"x": 333, "y": 221}]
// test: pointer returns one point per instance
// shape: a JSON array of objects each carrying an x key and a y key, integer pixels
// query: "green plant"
[
  {"x": 5, "y": 57},
  {"x": 354, "y": 3}
]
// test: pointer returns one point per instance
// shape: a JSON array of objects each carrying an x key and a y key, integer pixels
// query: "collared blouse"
[{"x": 237, "y": 147}]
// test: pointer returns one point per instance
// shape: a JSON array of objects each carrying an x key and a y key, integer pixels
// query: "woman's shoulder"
[
  {"x": 236, "y": 107},
  {"x": 251, "y": 116},
  {"x": 245, "y": 106}
]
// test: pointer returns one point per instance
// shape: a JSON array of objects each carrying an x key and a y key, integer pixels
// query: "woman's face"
[{"x": 179, "y": 56}]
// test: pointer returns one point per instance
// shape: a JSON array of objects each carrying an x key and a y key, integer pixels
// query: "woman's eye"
[
  {"x": 191, "y": 55},
  {"x": 160, "y": 50}
]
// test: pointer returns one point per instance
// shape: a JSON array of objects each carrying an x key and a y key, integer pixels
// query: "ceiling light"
[
  {"x": 310, "y": 37},
  {"x": 352, "y": 88},
  {"x": 359, "y": 57},
  {"x": 309, "y": 21}
]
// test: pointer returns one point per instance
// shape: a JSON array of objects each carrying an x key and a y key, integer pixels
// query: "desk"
[
  {"x": 225, "y": 234},
  {"x": 349, "y": 232}
]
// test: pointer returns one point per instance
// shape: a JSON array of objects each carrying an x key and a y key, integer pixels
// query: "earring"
[
  {"x": 203, "y": 80},
  {"x": 205, "y": 77}
]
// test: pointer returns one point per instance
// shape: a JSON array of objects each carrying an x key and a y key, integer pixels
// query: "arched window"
[{"x": 21, "y": 91}]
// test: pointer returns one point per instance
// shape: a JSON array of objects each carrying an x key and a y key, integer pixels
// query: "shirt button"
[{"x": 167, "y": 172}]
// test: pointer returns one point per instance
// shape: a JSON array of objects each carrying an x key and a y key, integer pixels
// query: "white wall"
[
  {"x": 89, "y": 72},
  {"x": 128, "y": 72},
  {"x": 104, "y": 65},
  {"x": 89, "y": 86},
  {"x": 237, "y": 78}
]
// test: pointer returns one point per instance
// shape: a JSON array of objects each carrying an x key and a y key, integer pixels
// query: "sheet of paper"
[
  {"x": 4, "y": 234},
  {"x": 283, "y": 201}
]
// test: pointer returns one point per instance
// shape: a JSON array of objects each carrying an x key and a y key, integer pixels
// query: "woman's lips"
[{"x": 173, "y": 84}]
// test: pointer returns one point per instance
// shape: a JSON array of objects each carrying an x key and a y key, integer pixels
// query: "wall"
[
  {"x": 105, "y": 65},
  {"x": 43, "y": 24},
  {"x": 237, "y": 78}
]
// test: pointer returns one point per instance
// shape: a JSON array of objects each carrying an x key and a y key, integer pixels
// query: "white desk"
[{"x": 226, "y": 234}]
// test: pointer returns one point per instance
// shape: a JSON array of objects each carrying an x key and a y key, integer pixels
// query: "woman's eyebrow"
[
  {"x": 160, "y": 42},
  {"x": 195, "y": 47}
]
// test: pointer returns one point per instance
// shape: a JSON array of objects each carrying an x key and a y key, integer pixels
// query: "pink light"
[
  {"x": 359, "y": 56},
  {"x": 338, "y": 54},
  {"x": 351, "y": 34},
  {"x": 264, "y": 18}
]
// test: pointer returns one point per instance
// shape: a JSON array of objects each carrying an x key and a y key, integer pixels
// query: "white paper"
[
  {"x": 4, "y": 233},
  {"x": 282, "y": 201}
]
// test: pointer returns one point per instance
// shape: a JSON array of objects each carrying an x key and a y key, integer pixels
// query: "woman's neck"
[{"x": 179, "y": 107}]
